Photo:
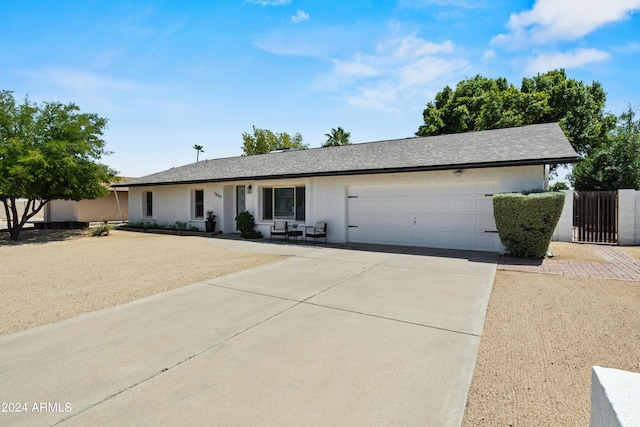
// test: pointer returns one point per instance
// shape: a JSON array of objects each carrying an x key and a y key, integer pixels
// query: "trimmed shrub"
[
  {"x": 246, "y": 226},
  {"x": 525, "y": 222}
]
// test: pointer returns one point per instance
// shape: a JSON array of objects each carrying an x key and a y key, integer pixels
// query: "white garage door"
[{"x": 438, "y": 215}]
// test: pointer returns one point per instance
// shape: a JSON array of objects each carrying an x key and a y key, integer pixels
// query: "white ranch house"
[{"x": 428, "y": 191}]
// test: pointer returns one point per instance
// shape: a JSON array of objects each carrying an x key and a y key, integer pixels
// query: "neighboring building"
[
  {"x": 21, "y": 205},
  {"x": 432, "y": 191},
  {"x": 112, "y": 207}
]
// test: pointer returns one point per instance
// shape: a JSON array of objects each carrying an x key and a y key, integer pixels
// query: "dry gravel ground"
[
  {"x": 542, "y": 335},
  {"x": 49, "y": 276}
]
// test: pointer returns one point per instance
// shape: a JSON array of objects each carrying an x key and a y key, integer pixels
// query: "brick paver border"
[{"x": 620, "y": 267}]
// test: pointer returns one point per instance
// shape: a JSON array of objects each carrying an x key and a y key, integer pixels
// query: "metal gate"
[{"x": 595, "y": 216}]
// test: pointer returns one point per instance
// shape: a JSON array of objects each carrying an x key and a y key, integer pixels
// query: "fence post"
[
  {"x": 564, "y": 229},
  {"x": 626, "y": 217}
]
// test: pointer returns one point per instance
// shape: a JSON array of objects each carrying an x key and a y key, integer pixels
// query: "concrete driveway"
[{"x": 331, "y": 336}]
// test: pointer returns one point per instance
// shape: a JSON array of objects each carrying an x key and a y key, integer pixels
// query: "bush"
[
  {"x": 144, "y": 224},
  {"x": 525, "y": 223},
  {"x": 246, "y": 226},
  {"x": 101, "y": 230},
  {"x": 180, "y": 225}
]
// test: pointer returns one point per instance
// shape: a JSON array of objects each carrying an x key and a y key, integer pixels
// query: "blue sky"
[{"x": 172, "y": 74}]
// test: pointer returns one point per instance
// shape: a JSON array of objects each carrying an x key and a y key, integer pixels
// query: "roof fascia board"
[{"x": 532, "y": 162}]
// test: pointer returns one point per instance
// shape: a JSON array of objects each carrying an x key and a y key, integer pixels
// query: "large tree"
[
  {"x": 48, "y": 152},
  {"x": 264, "y": 141},
  {"x": 614, "y": 165},
  {"x": 482, "y": 103},
  {"x": 337, "y": 137}
]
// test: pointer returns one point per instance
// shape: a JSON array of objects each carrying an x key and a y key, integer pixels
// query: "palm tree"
[
  {"x": 337, "y": 137},
  {"x": 199, "y": 149}
]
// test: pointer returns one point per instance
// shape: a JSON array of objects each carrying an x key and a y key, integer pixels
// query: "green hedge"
[{"x": 525, "y": 222}]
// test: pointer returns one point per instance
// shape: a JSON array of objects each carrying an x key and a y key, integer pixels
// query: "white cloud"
[
  {"x": 299, "y": 16},
  {"x": 488, "y": 55},
  {"x": 269, "y": 2},
  {"x": 397, "y": 69},
  {"x": 356, "y": 68},
  {"x": 278, "y": 44},
  {"x": 564, "y": 20},
  {"x": 85, "y": 88},
  {"x": 574, "y": 59},
  {"x": 384, "y": 73},
  {"x": 83, "y": 81},
  {"x": 632, "y": 47},
  {"x": 320, "y": 42}
]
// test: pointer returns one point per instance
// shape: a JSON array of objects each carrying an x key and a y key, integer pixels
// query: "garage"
[{"x": 451, "y": 215}]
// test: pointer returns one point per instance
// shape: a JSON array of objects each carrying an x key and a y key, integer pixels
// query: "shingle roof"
[{"x": 526, "y": 145}]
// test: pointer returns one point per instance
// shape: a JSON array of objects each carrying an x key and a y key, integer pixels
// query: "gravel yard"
[
  {"x": 50, "y": 276},
  {"x": 542, "y": 335}
]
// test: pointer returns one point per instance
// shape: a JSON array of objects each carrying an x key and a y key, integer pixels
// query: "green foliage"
[
  {"x": 337, "y": 137},
  {"x": 482, "y": 103},
  {"x": 48, "y": 152},
  {"x": 557, "y": 186},
  {"x": 145, "y": 224},
  {"x": 246, "y": 225},
  {"x": 525, "y": 223},
  {"x": 101, "y": 230},
  {"x": 199, "y": 149},
  {"x": 211, "y": 216},
  {"x": 180, "y": 225},
  {"x": 615, "y": 165},
  {"x": 264, "y": 141}
]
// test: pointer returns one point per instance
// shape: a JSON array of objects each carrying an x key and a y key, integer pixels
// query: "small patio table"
[{"x": 295, "y": 234}]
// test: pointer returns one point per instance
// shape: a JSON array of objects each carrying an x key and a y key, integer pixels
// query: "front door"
[{"x": 241, "y": 204}]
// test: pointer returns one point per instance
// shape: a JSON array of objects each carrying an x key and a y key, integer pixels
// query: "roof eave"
[{"x": 523, "y": 162}]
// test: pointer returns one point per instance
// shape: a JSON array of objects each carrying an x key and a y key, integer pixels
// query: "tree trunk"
[
  {"x": 14, "y": 234},
  {"x": 14, "y": 223}
]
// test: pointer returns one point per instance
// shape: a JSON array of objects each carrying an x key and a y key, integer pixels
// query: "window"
[
  {"x": 283, "y": 203},
  {"x": 198, "y": 204},
  {"x": 267, "y": 201},
  {"x": 148, "y": 204}
]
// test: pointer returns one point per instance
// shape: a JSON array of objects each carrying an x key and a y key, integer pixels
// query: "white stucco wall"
[
  {"x": 61, "y": 210},
  {"x": 173, "y": 203},
  {"x": 637, "y": 219},
  {"x": 564, "y": 228},
  {"x": 614, "y": 398},
  {"x": 326, "y": 197},
  {"x": 101, "y": 209},
  {"x": 626, "y": 217}
]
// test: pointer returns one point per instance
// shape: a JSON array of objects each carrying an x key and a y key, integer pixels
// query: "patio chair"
[
  {"x": 279, "y": 228},
  {"x": 316, "y": 232}
]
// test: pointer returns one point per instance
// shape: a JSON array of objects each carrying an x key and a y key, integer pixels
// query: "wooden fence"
[{"x": 595, "y": 217}]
